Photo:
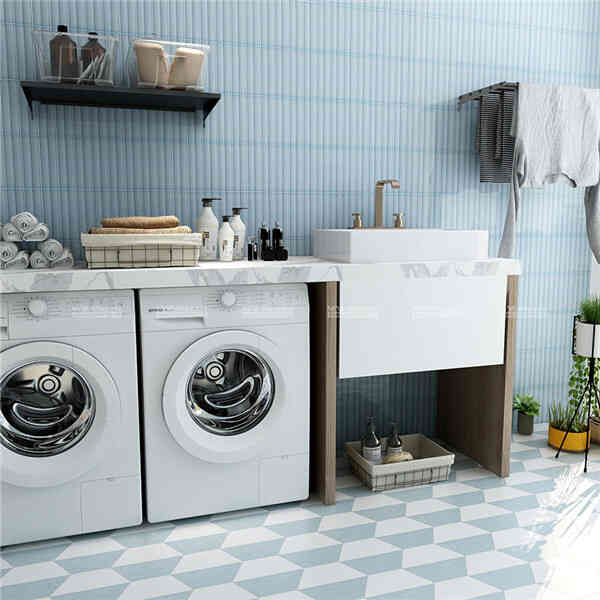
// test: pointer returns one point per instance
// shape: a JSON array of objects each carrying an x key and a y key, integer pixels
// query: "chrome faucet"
[{"x": 379, "y": 198}]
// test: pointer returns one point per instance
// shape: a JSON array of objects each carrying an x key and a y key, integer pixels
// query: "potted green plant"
[
  {"x": 528, "y": 409},
  {"x": 559, "y": 416},
  {"x": 585, "y": 325}
]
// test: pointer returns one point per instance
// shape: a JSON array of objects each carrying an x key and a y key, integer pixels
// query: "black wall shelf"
[{"x": 118, "y": 97}]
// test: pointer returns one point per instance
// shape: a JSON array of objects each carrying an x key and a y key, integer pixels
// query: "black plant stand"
[{"x": 594, "y": 396}]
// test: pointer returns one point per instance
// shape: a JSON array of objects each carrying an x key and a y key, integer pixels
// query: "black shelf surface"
[{"x": 118, "y": 97}]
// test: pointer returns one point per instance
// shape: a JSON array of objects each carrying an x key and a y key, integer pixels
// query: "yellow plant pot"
[{"x": 575, "y": 442}]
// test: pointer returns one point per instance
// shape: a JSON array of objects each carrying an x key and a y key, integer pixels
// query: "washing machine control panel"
[
  {"x": 58, "y": 314},
  {"x": 224, "y": 306}
]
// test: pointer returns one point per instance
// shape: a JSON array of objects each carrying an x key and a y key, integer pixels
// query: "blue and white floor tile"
[{"x": 531, "y": 536}]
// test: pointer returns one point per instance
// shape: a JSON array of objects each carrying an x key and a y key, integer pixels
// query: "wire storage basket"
[
  {"x": 139, "y": 251},
  {"x": 431, "y": 463}
]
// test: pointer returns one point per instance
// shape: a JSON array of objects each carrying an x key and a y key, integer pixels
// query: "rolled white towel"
[
  {"x": 10, "y": 233},
  {"x": 65, "y": 261},
  {"x": 52, "y": 249},
  {"x": 38, "y": 234},
  {"x": 19, "y": 262},
  {"x": 38, "y": 261},
  {"x": 8, "y": 251},
  {"x": 24, "y": 221}
]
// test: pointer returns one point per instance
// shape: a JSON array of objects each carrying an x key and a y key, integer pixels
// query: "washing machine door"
[
  {"x": 223, "y": 396},
  {"x": 59, "y": 412}
]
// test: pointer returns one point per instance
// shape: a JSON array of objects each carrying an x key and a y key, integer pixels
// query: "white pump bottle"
[
  {"x": 208, "y": 225},
  {"x": 239, "y": 228},
  {"x": 226, "y": 237}
]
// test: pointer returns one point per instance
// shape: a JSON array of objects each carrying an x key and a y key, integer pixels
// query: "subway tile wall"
[{"x": 320, "y": 99}]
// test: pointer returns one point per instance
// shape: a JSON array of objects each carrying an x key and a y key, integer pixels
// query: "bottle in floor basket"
[
  {"x": 208, "y": 225},
  {"x": 226, "y": 239},
  {"x": 395, "y": 451},
  {"x": 371, "y": 444}
]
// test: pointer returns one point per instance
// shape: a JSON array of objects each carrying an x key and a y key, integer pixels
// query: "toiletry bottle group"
[{"x": 372, "y": 450}]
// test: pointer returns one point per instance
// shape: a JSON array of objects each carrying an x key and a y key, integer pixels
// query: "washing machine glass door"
[
  {"x": 230, "y": 391},
  {"x": 223, "y": 396},
  {"x": 59, "y": 413},
  {"x": 45, "y": 408}
]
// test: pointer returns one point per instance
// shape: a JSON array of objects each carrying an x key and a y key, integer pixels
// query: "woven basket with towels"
[{"x": 132, "y": 242}]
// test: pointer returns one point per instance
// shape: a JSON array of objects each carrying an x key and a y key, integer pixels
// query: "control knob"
[
  {"x": 228, "y": 299},
  {"x": 37, "y": 308}
]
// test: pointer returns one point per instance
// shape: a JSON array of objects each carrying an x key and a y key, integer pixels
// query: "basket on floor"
[{"x": 431, "y": 463}]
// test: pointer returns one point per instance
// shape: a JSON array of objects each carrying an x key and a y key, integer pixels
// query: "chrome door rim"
[
  {"x": 230, "y": 391},
  {"x": 46, "y": 408}
]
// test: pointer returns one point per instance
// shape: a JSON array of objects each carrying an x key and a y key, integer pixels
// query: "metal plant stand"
[{"x": 594, "y": 396}]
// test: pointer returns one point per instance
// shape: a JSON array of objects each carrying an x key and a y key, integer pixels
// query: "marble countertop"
[{"x": 298, "y": 269}]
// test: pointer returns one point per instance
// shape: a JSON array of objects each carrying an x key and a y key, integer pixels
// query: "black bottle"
[
  {"x": 394, "y": 443},
  {"x": 264, "y": 235},
  {"x": 279, "y": 251},
  {"x": 63, "y": 56},
  {"x": 91, "y": 49},
  {"x": 371, "y": 444}
]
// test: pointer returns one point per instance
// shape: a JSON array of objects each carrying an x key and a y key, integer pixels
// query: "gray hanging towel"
[
  {"x": 557, "y": 140},
  {"x": 494, "y": 141}
]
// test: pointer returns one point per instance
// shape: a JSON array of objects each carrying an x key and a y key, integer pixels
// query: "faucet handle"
[
  {"x": 357, "y": 222},
  {"x": 399, "y": 220}
]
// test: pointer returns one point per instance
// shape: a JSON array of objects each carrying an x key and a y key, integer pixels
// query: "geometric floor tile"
[{"x": 474, "y": 536}]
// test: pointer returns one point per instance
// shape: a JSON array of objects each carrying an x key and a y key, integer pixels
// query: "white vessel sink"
[{"x": 399, "y": 245}]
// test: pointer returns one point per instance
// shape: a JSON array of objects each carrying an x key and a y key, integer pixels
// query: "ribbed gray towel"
[
  {"x": 494, "y": 141},
  {"x": 557, "y": 140}
]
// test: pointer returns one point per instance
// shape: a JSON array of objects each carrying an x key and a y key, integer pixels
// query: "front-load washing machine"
[
  {"x": 226, "y": 398},
  {"x": 69, "y": 419}
]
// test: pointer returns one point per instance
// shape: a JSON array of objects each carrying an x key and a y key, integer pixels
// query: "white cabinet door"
[{"x": 392, "y": 324}]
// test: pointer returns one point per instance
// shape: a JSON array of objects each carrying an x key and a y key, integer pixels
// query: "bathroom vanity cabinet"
[{"x": 394, "y": 319}]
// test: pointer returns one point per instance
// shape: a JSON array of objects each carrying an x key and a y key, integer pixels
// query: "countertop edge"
[{"x": 298, "y": 269}]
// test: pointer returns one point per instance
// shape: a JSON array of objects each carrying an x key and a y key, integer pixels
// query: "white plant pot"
[{"x": 584, "y": 333}]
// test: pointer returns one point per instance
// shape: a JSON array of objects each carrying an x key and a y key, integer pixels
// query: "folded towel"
[
  {"x": 135, "y": 231},
  {"x": 8, "y": 251},
  {"x": 37, "y": 234},
  {"x": 24, "y": 221},
  {"x": 64, "y": 261},
  {"x": 38, "y": 261},
  {"x": 52, "y": 249},
  {"x": 141, "y": 222},
  {"x": 10, "y": 233},
  {"x": 19, "y": 262}
]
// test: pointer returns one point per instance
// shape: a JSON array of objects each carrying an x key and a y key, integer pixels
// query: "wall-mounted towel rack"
[{"x": 478, "y": 94}]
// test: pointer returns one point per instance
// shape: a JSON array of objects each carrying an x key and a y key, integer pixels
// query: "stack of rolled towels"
[{"x": 25, "y": 227}]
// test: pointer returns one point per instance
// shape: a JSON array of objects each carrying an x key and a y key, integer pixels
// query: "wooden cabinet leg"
[
  {"x": 323, "y": 374},
  {"x": 475, "y": 404}
]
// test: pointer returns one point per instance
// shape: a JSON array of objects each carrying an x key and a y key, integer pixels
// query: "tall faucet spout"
[{"x": 379, "y": 185}]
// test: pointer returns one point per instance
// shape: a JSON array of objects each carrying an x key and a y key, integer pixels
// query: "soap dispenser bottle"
[
  {"x": 226, "y": 237},
  {"x": 371, "y": 444},
  {"x": 239, "y": 228},
  {"x": 208, "y": 225},
  {"x": 394, "y": 443},
  {"x": 63, "y": 56}
]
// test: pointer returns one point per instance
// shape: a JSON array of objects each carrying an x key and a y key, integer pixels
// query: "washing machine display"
[
  {"x": 230, "y": 391},
  {"x": 46, "y": 408}
]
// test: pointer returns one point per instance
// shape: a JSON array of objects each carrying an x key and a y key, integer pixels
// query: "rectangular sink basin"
[{"x": 399, "y": 245}]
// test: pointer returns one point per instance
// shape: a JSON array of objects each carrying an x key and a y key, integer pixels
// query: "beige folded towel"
[
  {"x": 141, "y": 222},
  {"x": 128, "y": 231}
]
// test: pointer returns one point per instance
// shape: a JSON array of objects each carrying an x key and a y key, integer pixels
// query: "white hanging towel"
[{"x": 557, "y": 130}]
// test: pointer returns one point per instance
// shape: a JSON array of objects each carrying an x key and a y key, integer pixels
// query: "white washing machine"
[
  {"x": 69, "y": 420},
  {"x": 226, "y": 398}
]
